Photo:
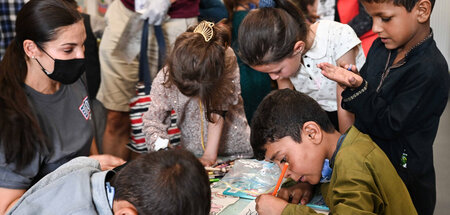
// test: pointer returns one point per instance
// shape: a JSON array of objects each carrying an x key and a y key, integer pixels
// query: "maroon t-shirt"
[
  {"x": 178, "y": 9},
  {"x": 128, "y": 4},
  {"x": 184, "y": 9}
]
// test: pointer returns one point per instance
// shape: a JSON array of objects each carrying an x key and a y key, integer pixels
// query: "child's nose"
[
  {"x": 274, "y": 76},
  {"x": 376, "y": 27},
  {"x": 288, "y": 173}
]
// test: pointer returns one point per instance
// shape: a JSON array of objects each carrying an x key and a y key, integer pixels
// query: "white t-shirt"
[{"x": 332, "y": 40}]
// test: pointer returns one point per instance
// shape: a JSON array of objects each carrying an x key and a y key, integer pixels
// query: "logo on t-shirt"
[{"x": 85, "y": 108}]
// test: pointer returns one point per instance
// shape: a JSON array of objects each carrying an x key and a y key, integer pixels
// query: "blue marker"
[{"x": 349, "y": 68}]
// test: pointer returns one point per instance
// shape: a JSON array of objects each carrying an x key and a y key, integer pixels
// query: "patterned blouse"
[
  {"x": 235, "y": 139},
  {"x": 331, "y": 42}
]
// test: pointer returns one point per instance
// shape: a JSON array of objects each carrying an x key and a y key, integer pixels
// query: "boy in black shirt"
[{"x": 401, "y": 92}]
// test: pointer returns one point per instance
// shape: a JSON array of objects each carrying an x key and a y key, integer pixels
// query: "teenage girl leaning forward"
[
  {"x": 279, "y": 41},
  {"x": 201, "y": 83}
]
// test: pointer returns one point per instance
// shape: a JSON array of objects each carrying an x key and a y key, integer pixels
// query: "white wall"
[{"x": 440, "y": 22}]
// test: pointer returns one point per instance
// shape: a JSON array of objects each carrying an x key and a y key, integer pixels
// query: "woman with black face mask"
[{"x": 45, "y": 117}]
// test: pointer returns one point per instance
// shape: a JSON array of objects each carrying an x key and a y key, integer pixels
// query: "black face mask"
[{"x": 65, "y": 71}]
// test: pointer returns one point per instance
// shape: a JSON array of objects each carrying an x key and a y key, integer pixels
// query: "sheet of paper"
[
  {"x": 219, "y": 201},
  {"x": 250, "y": 209}
]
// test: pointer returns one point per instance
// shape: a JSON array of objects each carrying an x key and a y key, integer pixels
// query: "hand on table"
[
  {"x": 208, "y": 160},
  {"x": 268, "y": 204},
  {"x": 298, "y": 193}
]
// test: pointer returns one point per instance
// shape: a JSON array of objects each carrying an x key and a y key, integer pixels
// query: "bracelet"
[{"x": 357, "y": 93}]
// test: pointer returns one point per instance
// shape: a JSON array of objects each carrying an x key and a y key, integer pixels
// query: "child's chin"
[{"x": 390, "y": 46}]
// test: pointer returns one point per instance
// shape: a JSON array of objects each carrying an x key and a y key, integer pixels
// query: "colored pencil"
[{"x": 283, "y": 172}]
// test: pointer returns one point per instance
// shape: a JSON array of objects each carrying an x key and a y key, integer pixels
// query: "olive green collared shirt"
[{"x": 363, "y": 182}]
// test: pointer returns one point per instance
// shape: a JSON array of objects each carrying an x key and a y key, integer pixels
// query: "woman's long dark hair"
[
  {"x": 268, "y": 35},
  {"x": 203, "y": 69},
  {"x": 20, "y": 135}
]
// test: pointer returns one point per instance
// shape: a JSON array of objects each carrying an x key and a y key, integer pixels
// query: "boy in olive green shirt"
[{"x": 289, "y": 126}]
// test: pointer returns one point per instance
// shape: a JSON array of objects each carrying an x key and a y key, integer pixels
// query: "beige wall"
[{"x": 440, "y": 22}]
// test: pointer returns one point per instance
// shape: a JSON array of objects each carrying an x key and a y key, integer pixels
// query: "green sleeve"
[{"x": 292, "y": 209}]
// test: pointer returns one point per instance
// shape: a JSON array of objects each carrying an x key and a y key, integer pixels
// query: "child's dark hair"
[
  {"x": 165, "y": 182},
  {"x": 282, "y": 113},
  {"x": 20, "y": 135},
  {"x": 203, "y": 69},
  {"x": 408, "y": 4},
  {"x": 270, "y": 34}
]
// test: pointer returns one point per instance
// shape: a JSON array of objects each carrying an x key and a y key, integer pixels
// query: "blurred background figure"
[
  {"x": 212, "y": 10},
  {"x": 309, "y": 9},
  {"x": 8, "y": 11},
  {"x": 119, "y": 53},
  {"x": 254, "y": 85},
  {"x": 352, "y": 12}
]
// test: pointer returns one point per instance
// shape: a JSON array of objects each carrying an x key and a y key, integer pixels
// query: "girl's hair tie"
[{"x": 205, "y": 28}]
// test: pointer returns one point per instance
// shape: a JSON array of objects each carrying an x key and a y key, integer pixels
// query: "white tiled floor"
[{"x": 442, "y": 163}]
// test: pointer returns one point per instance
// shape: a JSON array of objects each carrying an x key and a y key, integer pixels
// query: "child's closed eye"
[{"x": 386, "y": 19}]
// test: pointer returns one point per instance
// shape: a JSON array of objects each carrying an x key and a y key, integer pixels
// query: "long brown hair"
[
  {"x": 203, "y": 69},
  {"x": 268, "y": 35},
  {"x": 20, "y": 135}
]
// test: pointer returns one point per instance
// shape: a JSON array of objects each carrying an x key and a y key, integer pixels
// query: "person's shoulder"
[
  {"x": 333, "y": 25},
  {"x": 355, "y": 148},
  {"x": 231, "y": 60},
  {"x": 433, "y": 55},
  {"x": 76, "y": 164},
  {"x": 339, "y": 34},
  {"x": 161, "y": 78},
  {"x": 53, "y": 189},
  {"x": 238, "y": 16},
  {"x": 428, "y": 62}
]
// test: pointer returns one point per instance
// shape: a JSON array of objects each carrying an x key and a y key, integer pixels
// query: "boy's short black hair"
[
  {"x": 282, "y": 113},
  {"x": 165, "y": 182},
  {"x": 408, "y": 4}
]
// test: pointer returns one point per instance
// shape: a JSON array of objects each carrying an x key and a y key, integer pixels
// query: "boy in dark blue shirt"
[{"x": 401, "y": 92}]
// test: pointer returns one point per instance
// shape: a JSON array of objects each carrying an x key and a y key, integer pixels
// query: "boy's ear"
[
  {"x": 423, "y": 8},
  {"x": 299, "y": 47},
  {"x": 122, "y": 207},
  {"x": 313, "y": 132}
]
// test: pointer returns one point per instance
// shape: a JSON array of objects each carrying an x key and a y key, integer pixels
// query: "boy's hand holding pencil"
[
  {"x": 280, "y": 179},
  {"x": 270, "y": 204}
]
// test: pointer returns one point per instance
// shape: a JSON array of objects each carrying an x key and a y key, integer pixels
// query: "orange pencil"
[{"x": 280, "y": 179}]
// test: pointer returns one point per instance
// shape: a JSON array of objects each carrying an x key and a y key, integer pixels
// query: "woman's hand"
[
  {"x": 298, "y": 193},
  {"x": 268, "y": 204},
  {"x": 108, "y": 162}
]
